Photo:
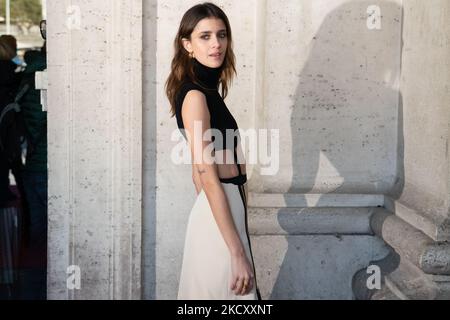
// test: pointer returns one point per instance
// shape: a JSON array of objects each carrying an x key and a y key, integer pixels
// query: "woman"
[
  {"x": 217, "y": 259},
  {"x": 10, "y": 151}
]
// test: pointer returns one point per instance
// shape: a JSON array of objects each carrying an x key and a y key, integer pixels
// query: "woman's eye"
[{"x": 222, "y": 36}]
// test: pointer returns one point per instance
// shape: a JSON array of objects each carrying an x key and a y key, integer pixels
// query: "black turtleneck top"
[{"x": 220, "y": 117}]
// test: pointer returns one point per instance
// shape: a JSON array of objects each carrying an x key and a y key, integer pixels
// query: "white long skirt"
[{"x": 206, "y": 269}]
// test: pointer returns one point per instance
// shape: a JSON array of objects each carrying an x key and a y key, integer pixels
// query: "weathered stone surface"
[
  {"x": 312, "y": 266},
  {"x": 94, "y": 147},
  {"x": 300, "y": 221}
]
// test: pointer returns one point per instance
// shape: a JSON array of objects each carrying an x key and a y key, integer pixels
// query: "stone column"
[
  {"x": 94, "y": 148},
  {"x": 418, "y": 228},
  {"x": 422, "y": 193}
]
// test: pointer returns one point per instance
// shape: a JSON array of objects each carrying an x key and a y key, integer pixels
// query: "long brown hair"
[{"x": 182, "y": 65}]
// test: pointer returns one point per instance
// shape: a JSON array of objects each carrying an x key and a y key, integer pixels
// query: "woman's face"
[{"x": 208, "y": 42}]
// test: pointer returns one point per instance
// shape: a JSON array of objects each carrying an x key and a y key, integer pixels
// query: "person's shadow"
[{"x": 347, "y": 138}]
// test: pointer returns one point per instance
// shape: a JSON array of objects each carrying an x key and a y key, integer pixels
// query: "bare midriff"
[
  {"x": 229, "y": 170},
  {"x": 226, "y": 165}
]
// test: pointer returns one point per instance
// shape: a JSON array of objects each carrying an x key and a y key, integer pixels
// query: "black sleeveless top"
[{"x": 221, "y": 118}]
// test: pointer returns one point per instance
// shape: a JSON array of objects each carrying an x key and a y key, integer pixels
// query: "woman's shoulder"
[{"x": 186, "y": 86}]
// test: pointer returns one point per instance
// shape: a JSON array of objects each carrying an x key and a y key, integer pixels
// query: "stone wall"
[
  {"x": 362, "y": 120},
  {"x": 94, "y": 148}
]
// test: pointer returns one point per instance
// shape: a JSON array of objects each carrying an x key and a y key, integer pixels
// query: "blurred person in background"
[
  {"x": 11, "y": 199},
  {"x": 11, "y": 41},
  {"x": 34, "y": 274},
  {"x": 10, "y": 148}
]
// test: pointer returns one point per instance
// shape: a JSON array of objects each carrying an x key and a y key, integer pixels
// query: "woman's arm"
[
  {"x": 196, "y": 115},
  {"x": 196, "y": 179}
]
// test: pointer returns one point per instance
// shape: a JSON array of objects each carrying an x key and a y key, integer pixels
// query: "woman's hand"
[{"x": 242, "y": 274}]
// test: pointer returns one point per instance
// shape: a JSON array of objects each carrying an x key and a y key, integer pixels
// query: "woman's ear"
[{"x": 187, "y": 44}]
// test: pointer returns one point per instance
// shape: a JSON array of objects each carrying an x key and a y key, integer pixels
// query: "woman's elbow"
[
  {"x": 209, "y": 183},
  {"x": 207, "y": 176}
]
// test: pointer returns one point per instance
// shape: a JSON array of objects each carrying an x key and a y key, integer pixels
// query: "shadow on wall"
[{"x": 346, "y": 118}]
